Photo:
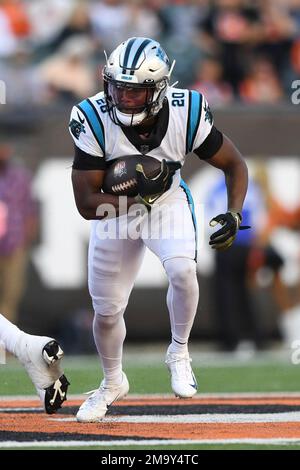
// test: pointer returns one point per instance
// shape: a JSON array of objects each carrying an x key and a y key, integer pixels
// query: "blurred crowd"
[
  {"x": 263, "y": 259},
  {"x": 232, "y": 50}
]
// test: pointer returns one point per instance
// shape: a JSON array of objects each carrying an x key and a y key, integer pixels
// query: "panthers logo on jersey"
[
  {"x": 208, "y": 114},
  {"x": 76, "y": 128}
]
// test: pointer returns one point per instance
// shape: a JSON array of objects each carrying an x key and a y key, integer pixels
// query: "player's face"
[{"x": 131, "y": 100}]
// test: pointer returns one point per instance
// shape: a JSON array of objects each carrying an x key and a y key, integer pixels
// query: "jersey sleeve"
[
  {"x": 200, "y": 121},
  {"x": 86, "y": 130}
]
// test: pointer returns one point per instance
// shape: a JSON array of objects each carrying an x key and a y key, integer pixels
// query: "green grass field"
[
  {"x": 154, "y": 379},
  {"x": 262, "y": 373},
  {"x": 147, "y": 374}
]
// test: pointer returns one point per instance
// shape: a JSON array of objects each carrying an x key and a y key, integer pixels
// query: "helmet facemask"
[{"x": 128, "y": 104}]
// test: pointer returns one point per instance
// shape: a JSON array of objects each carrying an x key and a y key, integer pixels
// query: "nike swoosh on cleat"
[
  {"x": 113, "y": 400},
  {"x": 194, "y": 385}
]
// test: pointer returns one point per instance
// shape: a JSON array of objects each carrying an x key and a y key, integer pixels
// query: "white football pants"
[{"x": 116, "y": 253}]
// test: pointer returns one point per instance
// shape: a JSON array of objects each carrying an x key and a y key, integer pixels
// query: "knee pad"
[
  {"x": 181, "y": 272},
  {"x": 107, "y": 321},
  {"x": 108, "y": 307}
]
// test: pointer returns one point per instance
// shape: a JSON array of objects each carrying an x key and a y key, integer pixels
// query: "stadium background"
[{"x": 250, "y": 96}]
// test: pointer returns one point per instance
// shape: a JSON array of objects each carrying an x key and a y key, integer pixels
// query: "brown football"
[{"x": 120, "y": 177}]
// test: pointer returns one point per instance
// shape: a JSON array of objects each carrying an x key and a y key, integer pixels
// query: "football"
[{"x": 120, "y": 178}]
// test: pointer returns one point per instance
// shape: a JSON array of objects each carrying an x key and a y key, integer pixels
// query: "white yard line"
[
  {"x": 289, "y": 417},
  {"x": 149, "y": 442},
  {"x": 285, "y": 417}
]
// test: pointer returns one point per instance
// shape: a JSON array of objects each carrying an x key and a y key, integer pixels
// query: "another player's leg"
[
  {"x": 41, "y": 357},
  {"x": 12, "y": 282},
  {"x": 113, "y": 265}
]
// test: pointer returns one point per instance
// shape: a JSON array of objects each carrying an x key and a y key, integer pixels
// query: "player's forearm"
[
  {"x": 230, "y": 161},
  {"x": 97, "y": 206},
  {"x": 237, "y": 183}
]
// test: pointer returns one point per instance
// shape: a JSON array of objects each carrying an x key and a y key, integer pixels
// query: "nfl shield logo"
[
  {"x": 120, "y": 169},
  {"x": 144, "y": 149}
]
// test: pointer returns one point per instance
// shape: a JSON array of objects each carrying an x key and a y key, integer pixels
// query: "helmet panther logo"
[
  {"x": 76, "y": 128},
  {"x": 162, "y": 55}
]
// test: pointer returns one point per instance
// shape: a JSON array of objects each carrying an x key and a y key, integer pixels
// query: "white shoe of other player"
[
  {"x": 289, "y": 324},
  {"x": 41, "y": 358},
  {"x": 183, "y": 381},
  {"x": 96, "y": 406}
]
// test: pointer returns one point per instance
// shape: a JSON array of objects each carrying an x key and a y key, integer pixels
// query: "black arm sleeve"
[
  {"x": 211, "y": 145},
  {"x": 84, "y": 161}
]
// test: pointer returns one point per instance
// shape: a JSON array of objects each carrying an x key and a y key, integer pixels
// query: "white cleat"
[
  {"x": 289, "y": 324},
  {"x": 95, "y": 407},
  {"x": 41, "y": 358},
  {"x": 183, "y": 380}
]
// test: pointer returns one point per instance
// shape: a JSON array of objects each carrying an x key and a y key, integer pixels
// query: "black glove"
[
  {"x": 150, "y": 189},
  {"x": 231, "y": 223}
]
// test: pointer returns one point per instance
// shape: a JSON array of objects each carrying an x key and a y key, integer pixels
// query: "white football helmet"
[{"x": 136, "y": 77}]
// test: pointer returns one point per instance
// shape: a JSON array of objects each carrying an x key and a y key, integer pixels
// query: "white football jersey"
[{"x": 183, "y": 125}]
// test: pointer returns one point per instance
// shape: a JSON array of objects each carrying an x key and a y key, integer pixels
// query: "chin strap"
[{"x": 130, "y": 118}]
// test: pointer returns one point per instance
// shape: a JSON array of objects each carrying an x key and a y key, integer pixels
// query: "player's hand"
[
  {"x": 150, "y": 189},
  {"x": 224, "y": 238}
]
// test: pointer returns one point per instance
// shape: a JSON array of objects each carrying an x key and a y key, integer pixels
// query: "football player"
[
  {"x": 41, "y": 356},
  {"x": 140, "y": 112}
]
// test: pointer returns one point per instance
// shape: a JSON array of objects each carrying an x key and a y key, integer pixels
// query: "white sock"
[
  {"x": 9, "y": 334},
  {"x": 109, "y": 334},
  {"x": 178, "y": 348}
]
